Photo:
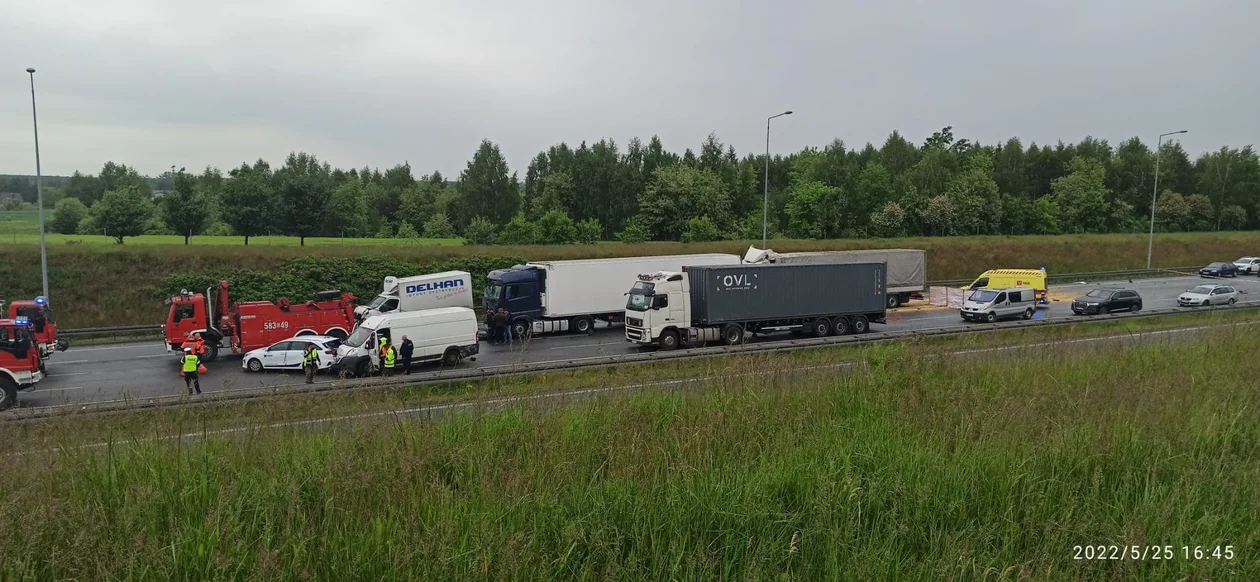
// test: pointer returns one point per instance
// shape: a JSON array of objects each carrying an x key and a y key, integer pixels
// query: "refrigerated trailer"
[
  {"x": 907, "y": 268},
  {"x": 556, "y": 296},
  {"x": 705, "y": 304},
  {"x": 432, "y": 291}
]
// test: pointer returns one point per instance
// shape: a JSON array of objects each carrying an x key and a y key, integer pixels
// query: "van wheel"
[
  {"x": 8, "y": 393},
  {"x": 451, "y": 357},
  {"x": 840, "y": 326},
  {"x": 1028, "y": 313},
  {"x": 894, "y": 301},
  {"x": 255, "y": 366},
  {"x": 820, "y": 328},
  {"x": 861, "y": 324},
  {"x": 363, "y": 369},
  {"x": 582, "y": 324},
  {"x": 669, "y": 341},
  {"x": 520, "y": 329},
  {"x": 990, "y": 316},
  {"x": 732, "y": 334}
]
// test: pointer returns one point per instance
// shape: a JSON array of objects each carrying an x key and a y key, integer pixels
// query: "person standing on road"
[
  {"x": 405, "y": 352},
  {"x": 310, "y": 362},
  {"x": 507, "y": 327},
  {"x": 500, "y": 325},
  {"x": 190, "y": 363},
  {"x": 389, "y": 357}
]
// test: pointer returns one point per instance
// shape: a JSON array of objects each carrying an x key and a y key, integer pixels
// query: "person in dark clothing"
[
  {"x": 404, "y": 352},
  {"x": 500, "y": 325}
]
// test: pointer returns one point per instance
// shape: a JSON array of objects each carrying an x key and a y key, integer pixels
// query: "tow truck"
[
  {"x": 19, "y": 360},
  {"x": 43, "y": 327},
  {"x": 251, "y": 325}
]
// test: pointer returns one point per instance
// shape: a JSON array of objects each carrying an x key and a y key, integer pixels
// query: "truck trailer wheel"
[
  {"x": 669, "y": 341},
  {"x": 582, "y": 324},
  {"x": 732, "y": 334},
  {"x": 894, "y": 301},
  {"x": 8, "y": 393},
  {"x": 861, "y": 324},
  {"x": 820, "y": 328},
  {"x": 840, "y": 326}
]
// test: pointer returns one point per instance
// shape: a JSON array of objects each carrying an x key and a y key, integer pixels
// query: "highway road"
[{"x": 140, "y": 370}]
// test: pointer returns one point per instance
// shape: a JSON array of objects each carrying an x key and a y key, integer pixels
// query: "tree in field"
[
  {"x": 518, "y": 231},
  {"x": 1045, "y": 216},
  {"x": 406, "y": 232},
  {"x": 84, "y": 188},
  {"x": 347, "y": 211},
  {"x": 439, "y": 226},
  {"x": 117, "y": 176},
  {"x": 938, "y": 215},
  {"x": 248, "y": 203},
  {"x": 701, "y": 229},
  {"x": 418, "y": 203},
  {"x": 480, "y": 232},
  {"x": 678, "y": 193},
  {"x": 303, "y": 188},
  {"x": 590, "y": 231},
  {"x": 1200, "y": 215},
  {"x": 185, "y": 208},
  {"x": 556, "y": 194},
  {"x": 889, "y": 221},
  {"x": 635, "y": 232},
  {"x": 123, "y": 213},
  {"x": 1082, "y": 197},
  {"x": 556, "y": 228},
  {"x": 1233, "y": 217},
  {"x": 1229, "y": 176},
  {"x": 976, "y": 197},
  {"x": 487, "y": 189},
  {"x": 1171, "y": 211},
  {"x": 67, "y": 214},
  {"x": 815, "y": 210}
]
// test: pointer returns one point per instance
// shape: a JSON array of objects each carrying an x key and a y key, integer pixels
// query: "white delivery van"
[
  {"x": 446, "y": 334},
  {"x": 993, "y": 304}
]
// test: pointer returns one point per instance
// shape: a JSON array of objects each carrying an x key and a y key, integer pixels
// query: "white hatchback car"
[
  {"x": 1248, "y": 265},
  {"x": 1205, "y": 295},
  {"x": 287, "y": 354}
]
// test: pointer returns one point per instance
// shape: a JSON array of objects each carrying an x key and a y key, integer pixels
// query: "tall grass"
[
  {"x": 97, "y": 285},
  {"x": 910, "y": 467}
]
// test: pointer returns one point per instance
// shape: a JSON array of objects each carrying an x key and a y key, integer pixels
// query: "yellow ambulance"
[{"x": 1005, "y": 278}]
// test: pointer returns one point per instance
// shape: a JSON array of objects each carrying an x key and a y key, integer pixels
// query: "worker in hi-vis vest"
[
  {"x": 389, "y": 357},
  {"x": 310, "y": 363},
  {"x": 190, "y": 363}
]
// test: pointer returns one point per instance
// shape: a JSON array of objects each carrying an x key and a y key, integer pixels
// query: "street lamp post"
[
  {"x": 1159, "y": 146},
  {"x": 39, "y": 188},
  {"x": 765, "y": 180}
]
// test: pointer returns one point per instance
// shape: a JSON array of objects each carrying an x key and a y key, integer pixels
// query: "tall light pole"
[
  {"x": 39, "y": 188},
  {"x": 1159, "y": 146},
  {"x": 765, "y": 200}
]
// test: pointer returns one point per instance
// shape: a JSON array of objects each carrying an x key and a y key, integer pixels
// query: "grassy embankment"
[
  {"x": 910, "y": 467},
  {"x": 98, "y": 285}
]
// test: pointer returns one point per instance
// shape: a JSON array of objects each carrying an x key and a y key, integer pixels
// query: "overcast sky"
[{"x": 153, "y": 83}]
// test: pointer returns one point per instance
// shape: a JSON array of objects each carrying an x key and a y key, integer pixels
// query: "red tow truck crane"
[
  {"x": 19, "y": 360},
  {"x": 251, "y": 325},
  {"x": 43, "y": 327}
]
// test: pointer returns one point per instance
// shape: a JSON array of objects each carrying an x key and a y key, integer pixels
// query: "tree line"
[{"x": 944, "y": 186}]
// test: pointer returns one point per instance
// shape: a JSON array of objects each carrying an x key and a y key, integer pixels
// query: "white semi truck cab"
[{"x": 657, "y": 302}]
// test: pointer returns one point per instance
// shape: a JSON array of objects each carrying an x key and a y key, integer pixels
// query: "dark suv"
[
  {"x": 1106, "y": 300},
  {"x": 1219, "y": 270}
]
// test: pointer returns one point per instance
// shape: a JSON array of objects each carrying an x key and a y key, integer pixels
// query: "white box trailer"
[
  {"x": 432, "y": 291},
  {"x": 555, "y": 296},
  {"x": 907, "y": 268}
]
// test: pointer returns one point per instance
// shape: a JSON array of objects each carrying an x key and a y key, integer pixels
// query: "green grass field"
[{"x": 910, "y": 467}]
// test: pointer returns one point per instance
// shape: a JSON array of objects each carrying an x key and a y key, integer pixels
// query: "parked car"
[
  {"x": 1205, "y": 295},
  {"x": 993, "y": 304},
  {"x": 287, "y": 354},
  {"x": 1248, "y": 265},
  {"x": 1219, "y": 270},
  {"x": 1106, "y": 300}
]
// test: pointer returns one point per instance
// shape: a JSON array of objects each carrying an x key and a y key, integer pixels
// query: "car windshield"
[
  {"x": 1245, "y": 260},
  {"x": 360, "y": 336},
  {"x": 1099, "y": 294},
  {"x": 378, "y": 302},
  {"x": 1202, "y": 290},
  {"x": 983, "y": 296},
  {"x": 1216, "y": 265},
  {"x": 493, "y": 290}
]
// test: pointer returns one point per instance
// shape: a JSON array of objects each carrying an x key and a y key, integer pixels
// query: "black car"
[
  {"x": 1105, "y": 300},
  {"x": 1219, "y": 270}
]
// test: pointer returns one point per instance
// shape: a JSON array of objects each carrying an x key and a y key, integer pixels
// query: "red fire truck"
[
  {"x": 43, "y": 326},
  {"x": 253, "y": 324},
  {"x": 19, "y": 360}
]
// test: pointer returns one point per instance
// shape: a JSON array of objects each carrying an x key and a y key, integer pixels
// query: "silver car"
[{"x": 1205, "y": 295}]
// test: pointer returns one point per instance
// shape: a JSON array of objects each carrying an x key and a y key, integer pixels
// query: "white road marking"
[
  {"x": 99, "y": 361},
  {"x": 126, "y": 347}
]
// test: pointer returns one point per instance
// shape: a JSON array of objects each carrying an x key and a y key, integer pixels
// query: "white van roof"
[{"x": 417, "y": 317}]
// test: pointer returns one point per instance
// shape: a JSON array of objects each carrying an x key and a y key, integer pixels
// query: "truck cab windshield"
[
  {"x": 640, "y": 297},
  {"x": 983, "y": 296},
  {"x": 360, "y": 336},
  {"x": 383, "y": 303},
  {"x": 493, "y": 291}
]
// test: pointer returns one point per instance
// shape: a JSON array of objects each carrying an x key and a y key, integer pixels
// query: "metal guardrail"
[
  {"x": 473, "y": 374},
  {"x": 141, "y": 329}
]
